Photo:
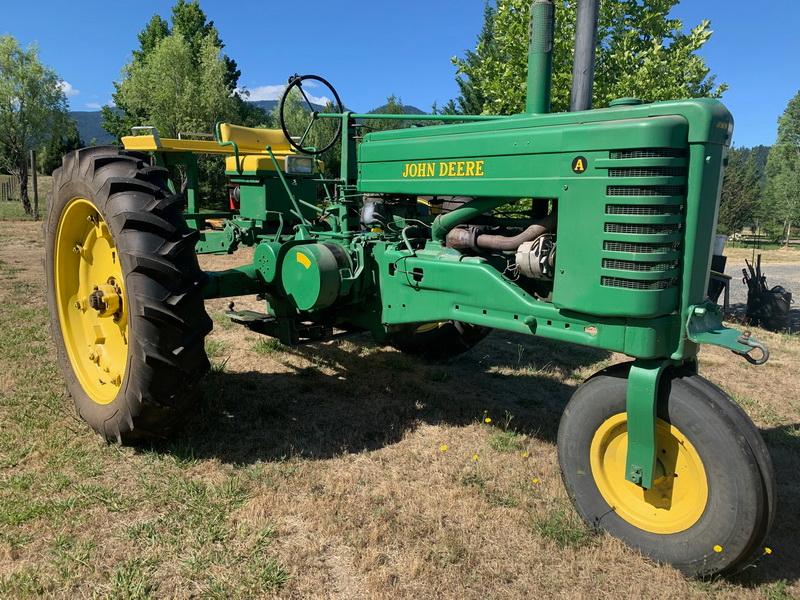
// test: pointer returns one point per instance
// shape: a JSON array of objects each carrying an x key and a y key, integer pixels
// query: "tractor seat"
[{"x": 252, "y": 143}]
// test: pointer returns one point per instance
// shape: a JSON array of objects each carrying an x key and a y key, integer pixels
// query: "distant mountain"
[
  {"x": 90, "y": 123},
  {"x": 407, "y": 110},
  {"x": 90, "y": 127}
]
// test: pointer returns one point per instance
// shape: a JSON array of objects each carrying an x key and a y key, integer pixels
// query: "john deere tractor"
[{"x": 592, "y": 226}]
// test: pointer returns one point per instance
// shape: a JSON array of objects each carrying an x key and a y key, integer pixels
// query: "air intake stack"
[{"x": 583, "y": 64}]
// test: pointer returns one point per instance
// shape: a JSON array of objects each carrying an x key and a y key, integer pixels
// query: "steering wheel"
[{"x": 296, "y": 81}]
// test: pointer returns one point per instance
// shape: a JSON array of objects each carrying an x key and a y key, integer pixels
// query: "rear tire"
[
  {"x": 438, "y": 341},
  {"x": 727, "y": 505},
  {"x": 132, "y": 375}
]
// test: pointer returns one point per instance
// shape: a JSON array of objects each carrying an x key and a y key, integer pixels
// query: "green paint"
[{"x": 634, "y": 231}]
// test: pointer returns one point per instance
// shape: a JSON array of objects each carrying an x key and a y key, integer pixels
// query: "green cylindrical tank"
[{"x": 311, "y": 276}]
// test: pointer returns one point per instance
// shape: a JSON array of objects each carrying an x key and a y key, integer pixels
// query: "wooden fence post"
[{"x": 35, "y": 186}]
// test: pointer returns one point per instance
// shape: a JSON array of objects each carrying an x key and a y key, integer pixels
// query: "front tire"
[
  {"x": 712, "y": 502},
  {"x": 124, "y": 292}
]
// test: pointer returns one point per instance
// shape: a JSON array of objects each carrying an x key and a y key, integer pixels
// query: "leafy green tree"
[
  {"x": 190, "y": 23},
  {"x": 741, "y": 191},
  {"x": 61, "y": 143},
  {"x": 783, "y": 171},
  {"x": 641, "y": 52},
  {"x": 32, "y": 106},
  {"x": 177, "y": 93}
]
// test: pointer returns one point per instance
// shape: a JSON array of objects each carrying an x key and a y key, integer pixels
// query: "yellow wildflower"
[
  {"x": 487, "y": 420},
  {"x": 475, "y": 458},
  {"x": 443, "y": 448},
  {"x": 717, "y": 548},
  {"x": 767, "y": 550},
  {"x": 536, "y": 481}
]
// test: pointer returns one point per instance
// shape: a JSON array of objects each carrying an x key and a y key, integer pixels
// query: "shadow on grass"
[
  {"x": 738, "y": 313},
  {"x": 349, "y": 400}
]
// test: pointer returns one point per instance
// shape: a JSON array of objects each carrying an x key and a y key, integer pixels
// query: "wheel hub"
[
  {"x": 679, "y": 494},
  {"x": 91, "y": 300}
]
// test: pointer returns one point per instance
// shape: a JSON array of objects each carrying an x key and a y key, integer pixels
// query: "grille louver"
[{"x": 637, "y": 224}]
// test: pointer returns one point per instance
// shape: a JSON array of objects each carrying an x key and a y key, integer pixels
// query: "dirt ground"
[{"x": 339, "y": 470}]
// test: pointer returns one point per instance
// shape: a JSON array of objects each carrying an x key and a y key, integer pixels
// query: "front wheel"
[
  {"x": 124, "y": 294},
  {"x": 712, "y": 500}
]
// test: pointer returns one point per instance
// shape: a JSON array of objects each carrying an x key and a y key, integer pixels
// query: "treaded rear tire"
[{"x": 166, "y": 357}]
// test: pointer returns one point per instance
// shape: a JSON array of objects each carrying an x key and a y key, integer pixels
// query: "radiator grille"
[
  {"x": 638, "y": 247},
  {"x": 645, "y": 216},
  {"x": 647, "y": 172},
  {"x": 635, "y": 284},
  {"x": 641, "y": 228},
  {"x": 640, "y": 209},
  {"x": 649, "y": 153},
  {"x": 635, "y": 265},
  {"x": 644, "y": 190}
]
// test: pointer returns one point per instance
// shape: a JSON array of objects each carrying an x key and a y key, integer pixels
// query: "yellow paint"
[
  {"x": 254, "y": 139},
  {"x": 453, "y": 168},
  {"x": 303, "y": 260},
  {"x": 149, "y": 143},
  {"x": 96, "y": 342},
  {"x": 680, "y": 489}
]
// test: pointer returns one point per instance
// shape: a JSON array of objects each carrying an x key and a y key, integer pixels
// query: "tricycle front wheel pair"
[{"x": 128, "y": 321}]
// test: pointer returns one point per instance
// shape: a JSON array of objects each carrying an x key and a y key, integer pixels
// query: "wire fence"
[{"x": 9, "y": 188}]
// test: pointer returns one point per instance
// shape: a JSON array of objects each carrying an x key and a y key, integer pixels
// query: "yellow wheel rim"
[
  {"x": 92, "y": 308},
  {"x": 680, "y": 488},
  {"x": 429, "y": 327}
]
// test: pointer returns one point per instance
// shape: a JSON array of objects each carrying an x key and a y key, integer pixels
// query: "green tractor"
[{"x": 591, "y": 226}]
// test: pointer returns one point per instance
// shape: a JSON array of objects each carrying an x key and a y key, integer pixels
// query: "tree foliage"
[
  {"x": 69, "y": 139},
  {"x": 641, "y": 52},
  {"x": 741, "y": 191},
  {"x": 782, "y": 193},
  {"x": 394, "y": 106},
  {"x": 177, "y": 90},
  {"x": 33, "y": 107},
  {"x": 184, "y": 62},
  {"x": 298, "y": 117}
]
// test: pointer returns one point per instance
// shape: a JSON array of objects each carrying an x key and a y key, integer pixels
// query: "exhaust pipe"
[
  {"x": 583, "y": 65},
  {"x": 540, "y": 57}
]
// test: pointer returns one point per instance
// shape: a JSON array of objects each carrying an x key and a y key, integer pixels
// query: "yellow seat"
[
  {"x": 254, "y": 139},
  {"x": 252, "y": 143}
]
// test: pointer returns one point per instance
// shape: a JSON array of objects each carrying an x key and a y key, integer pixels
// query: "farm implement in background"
[{"x": 592, "y": 227}]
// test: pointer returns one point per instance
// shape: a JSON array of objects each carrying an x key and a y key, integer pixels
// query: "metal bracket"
[
  {"x": 704, "y": 326},
  {"x": 641, "y": 403}
]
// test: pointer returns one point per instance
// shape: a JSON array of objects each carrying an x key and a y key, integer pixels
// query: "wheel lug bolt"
[
  {"x": 78, "y": 305},
  {"x": 92, "y": 356},
  {"x": 77, "y": 248}
]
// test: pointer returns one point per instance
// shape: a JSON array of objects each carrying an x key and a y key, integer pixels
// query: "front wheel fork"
[{"x": 703, "y": 326}]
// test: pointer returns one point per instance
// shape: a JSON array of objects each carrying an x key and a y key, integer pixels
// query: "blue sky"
[{"x": 370, "y": 49}]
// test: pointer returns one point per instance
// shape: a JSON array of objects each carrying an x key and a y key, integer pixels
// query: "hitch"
[{"x": 704, "y": 326}]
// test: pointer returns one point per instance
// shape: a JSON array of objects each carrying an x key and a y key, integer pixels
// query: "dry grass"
[
  {"x": 320, "y": 472},
  {"x": 789, "y": 254}
]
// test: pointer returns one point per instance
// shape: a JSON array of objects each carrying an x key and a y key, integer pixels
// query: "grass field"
[
  {"x": 12, "y": 211},
  {"x": 338, "y": 470}
]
